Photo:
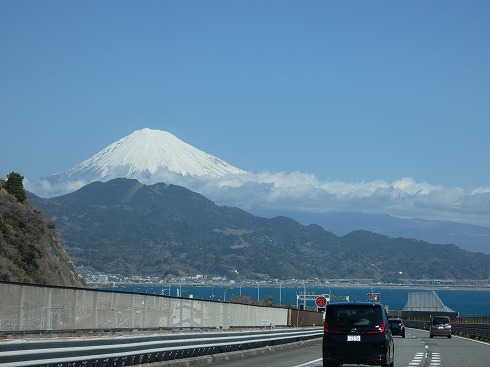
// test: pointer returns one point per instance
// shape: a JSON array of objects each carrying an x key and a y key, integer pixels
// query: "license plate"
[{"x": 353, "y": 338}]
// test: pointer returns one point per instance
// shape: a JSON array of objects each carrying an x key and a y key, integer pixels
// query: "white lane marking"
[
  {"x": 417, "y": 359},
  {"x": 435, "y": 361},
  {"x": 308, "y": 363},
  {"x": 473, "y": 340}
]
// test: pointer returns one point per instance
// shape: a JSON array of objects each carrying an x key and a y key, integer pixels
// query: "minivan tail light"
[
  {"x": 379, "y": 329},
  {"x": 382, "y": 327},
  {"x": 327, "y": 330}
]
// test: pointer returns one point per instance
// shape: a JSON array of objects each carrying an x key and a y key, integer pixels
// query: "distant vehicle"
[
  {"x": 397, "y": 326},
  {"x": 357, "y": 333},
  {"x": 440, "y": 326}
]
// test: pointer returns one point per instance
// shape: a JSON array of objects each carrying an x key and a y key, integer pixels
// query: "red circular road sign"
[{"x": 321, "y": 301}]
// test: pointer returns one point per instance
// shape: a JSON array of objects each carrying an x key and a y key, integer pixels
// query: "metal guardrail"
[
  {"x": 123, "y": 351},
  {"x": 474, "y": 331}
]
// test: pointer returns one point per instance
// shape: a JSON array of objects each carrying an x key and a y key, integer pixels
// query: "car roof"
[{"x": 355, "y": 304}]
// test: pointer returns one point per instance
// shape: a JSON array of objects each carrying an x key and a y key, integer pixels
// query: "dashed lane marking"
[
  {"x": 417, "y": 359},
  {"x": 435, "y": 361}
]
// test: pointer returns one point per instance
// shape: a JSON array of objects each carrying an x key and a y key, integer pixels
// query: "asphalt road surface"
[{"x": 416, "y": 350}]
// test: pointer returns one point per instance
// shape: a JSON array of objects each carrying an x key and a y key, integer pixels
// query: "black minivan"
[{"x": 357, "y": 333}]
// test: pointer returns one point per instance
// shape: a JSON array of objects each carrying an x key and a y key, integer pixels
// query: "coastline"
[{"x": 248, "y": 284}]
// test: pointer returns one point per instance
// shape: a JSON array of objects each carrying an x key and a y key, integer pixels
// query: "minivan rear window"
[
  {"x": 353, "y": 316},
  {"x": 440, "y": 320}
]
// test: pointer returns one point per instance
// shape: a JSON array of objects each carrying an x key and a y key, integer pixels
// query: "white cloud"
[
  {"x": 404, "y": 198},
  {"x": 303, "y": 192},
  {"x": 45, "y": 189}
]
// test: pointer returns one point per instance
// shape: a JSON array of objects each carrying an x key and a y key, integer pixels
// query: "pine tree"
[{"x": 14, "y": 186}]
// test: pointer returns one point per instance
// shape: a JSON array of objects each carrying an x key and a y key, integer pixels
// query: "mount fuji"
[
  {"x": 153, "y": 156},
  {"x": 146, "y": 155}
]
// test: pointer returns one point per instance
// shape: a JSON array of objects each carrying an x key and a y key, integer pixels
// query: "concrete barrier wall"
[
  {"x": 305, "y": 318},
  {"x": 26, "y": 307}
]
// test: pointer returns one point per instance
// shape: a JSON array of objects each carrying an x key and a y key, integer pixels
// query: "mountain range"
[
  {"x": 153, "y": 156},
  {"x": 467, "y": 236},
  {"x": 123, "y": 226}
]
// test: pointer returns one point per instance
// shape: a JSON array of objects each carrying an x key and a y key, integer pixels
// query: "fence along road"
[
  {"x": 26, "y": 307},
  {"x": 143, "y": 349}
]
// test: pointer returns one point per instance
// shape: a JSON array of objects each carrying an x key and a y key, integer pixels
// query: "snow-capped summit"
[{"x": 146, "y": 155}]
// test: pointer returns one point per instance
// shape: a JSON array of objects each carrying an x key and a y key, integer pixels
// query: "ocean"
[{"x": 469, "y": 303}]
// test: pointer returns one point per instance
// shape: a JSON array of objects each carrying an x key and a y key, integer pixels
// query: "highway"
[{"x": 416, "y": 350}]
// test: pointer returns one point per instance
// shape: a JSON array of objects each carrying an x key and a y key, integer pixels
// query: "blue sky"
[{"x": 349, "y": 92}]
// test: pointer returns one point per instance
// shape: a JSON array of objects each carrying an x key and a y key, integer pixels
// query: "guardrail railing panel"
[{"x": 136, "y": 350}]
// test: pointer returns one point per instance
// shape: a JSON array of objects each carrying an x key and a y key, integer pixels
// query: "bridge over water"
[{"x": 426, "y": 304}]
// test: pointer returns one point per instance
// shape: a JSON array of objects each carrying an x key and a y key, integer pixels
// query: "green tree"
[{"x": 14, "y": 186}]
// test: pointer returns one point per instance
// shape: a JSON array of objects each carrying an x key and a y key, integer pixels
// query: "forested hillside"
[
  {"x": 124, "y": 227},
  {"x": 30, "y": 248}
]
